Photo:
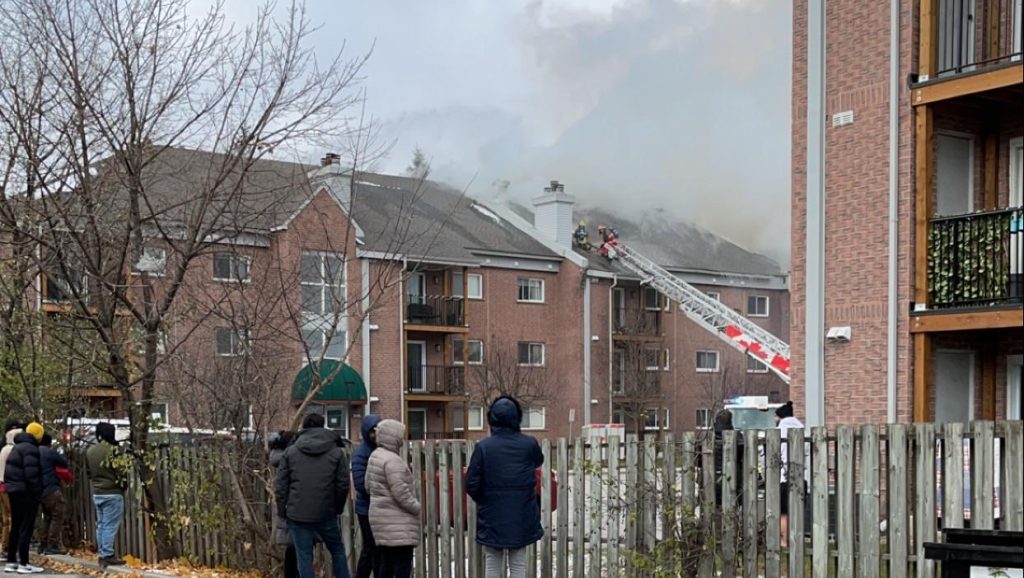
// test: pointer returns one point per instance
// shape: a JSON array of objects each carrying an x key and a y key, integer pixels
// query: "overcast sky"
[{"x": 679, "y": 106}]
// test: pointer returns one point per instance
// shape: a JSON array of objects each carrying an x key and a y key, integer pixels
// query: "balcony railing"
[
  {"x": 636, "y": 321},
  {"x": 972, "y": 34},
  {"x": 436, "y": 379},
  {"x": 976, "y": 260},
  {"x": 437, "y": 310}
]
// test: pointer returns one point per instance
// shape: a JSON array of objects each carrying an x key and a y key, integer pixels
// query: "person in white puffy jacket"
[{"x": 394, "y": 506}]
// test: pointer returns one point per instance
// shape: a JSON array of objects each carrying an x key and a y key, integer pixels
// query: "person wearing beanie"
[
  {"x": 108, "y": 487},
  {"x": 785, "y": 420},
  {"x": 12, "y": 427},
  {"x": 23, "y": 481}
]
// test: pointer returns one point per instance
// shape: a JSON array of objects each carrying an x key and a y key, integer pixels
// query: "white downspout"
[
  {"x": 611, "y": 348},
  {"x": 402, "y": 371},
  {"x": 814, "y": 319},
  {"x": 366, "y": 333},
  {"x": 586, "y": 350},
  {"x": 894, "y": 224}
]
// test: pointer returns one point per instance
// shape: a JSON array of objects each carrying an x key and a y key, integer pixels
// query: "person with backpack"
[
  {"x": 501, "y": 479},
  {"x": 394, "y": 507},
  {"x": 360, "y": 458},
  {"x": 52, "y": 498},
  {"x": 311, "y": 487},
  {"x": 23, "y": 480}
]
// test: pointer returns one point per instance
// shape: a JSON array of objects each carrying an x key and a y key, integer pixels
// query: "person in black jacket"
[
  {"x": 502, "y": 481},
  {"x": 23, "y": 478},
  {"x": 359, "y": 459},
  {"x": 52, "y": 499},
  {"x": 311, "y": 488}
]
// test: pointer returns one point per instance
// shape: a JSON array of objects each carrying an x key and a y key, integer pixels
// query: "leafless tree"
[
  {"x": 93, "y": 95},
  {"x": 503, "y": 373},
  {"x": 638, "y": 390}
]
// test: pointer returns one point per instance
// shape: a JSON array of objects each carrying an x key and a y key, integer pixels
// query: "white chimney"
[
  {"x": 552, "y": 214},
  {"x": 335, "y": 176}
]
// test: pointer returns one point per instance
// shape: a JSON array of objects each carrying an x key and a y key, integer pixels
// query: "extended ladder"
[{"x": 733, "y": 328}]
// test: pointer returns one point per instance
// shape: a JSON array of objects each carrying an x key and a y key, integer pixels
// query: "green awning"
[{"x": 341, "y": 382}]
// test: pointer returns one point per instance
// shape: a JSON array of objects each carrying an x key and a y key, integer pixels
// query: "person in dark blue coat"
[
  {"x": 502, "y": 481},
  {"x": 359, "y": 459}
]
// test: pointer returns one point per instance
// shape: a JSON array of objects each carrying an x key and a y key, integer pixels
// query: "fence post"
[
  {"x": 924, "y": 502},
  {"x": 983, "y": 476},
  {"x": 797, "y": 493},
  {"x": 474, "y": 550},
  {"x": 750, "y": 502},
  {"x": 421, "y": 488},
  {"x": 595, "y": 505},
  {"x": 444, "y": 547},
  {"x": 819, "y": 489},
  {"x": 897, "y": 500},
  {"x": 870, "y": 539},
  {"x": 545, "y": 509},
  {"x": 563, "y": 511},
  {"x": 953, "y": 475},
  {"x": 1013, "y": 488},
  {"x": 459, "y": 493},
  {"x": 845, "y": 466},
  {"x": 614, "y": 498},
  {"x": 772, "y": 501},
  {"x": 728, "y": 504},
  {"x": 579, "y": 536}
]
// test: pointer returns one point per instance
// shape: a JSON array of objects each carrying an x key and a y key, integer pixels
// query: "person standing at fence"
[
  {"x": 394, "y": 508},
  {"x": 311, "y": 488},
  {"x": 109, "y": 483},
  {"x": 282, "y": 536},
  {"x": 52, "y": 499},
  {"x": 23, "y": 478},
  {"x": 723, "y": 423},
  {"x": 786, "y": 421},
  {"x": 501, "y": 479},
  {"x": 359, "y": 460},
  {"x": 12, "y": 428}
]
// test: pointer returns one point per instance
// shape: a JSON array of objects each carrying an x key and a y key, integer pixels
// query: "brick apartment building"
[
  {"x": 958, "y": 165},
  {"x": 431, "y": 294}
]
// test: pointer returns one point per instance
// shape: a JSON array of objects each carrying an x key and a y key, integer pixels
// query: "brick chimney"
[{"x": 553, "y": 214}]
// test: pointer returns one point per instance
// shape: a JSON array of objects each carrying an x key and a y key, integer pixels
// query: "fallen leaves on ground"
[{"x": 171, "y": 569}]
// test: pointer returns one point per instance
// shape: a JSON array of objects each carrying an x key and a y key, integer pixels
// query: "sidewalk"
[{"x": 92, "y": 566}]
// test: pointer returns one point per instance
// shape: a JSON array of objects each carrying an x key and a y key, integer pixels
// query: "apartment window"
[
  {"x": 476, "y": 418},
  {"x": 322, "y": 343},
  {"x": 158, "y": 412},
  {"x": 152, "y": 261},
  {"x": 618, "y": 371},
  {"x": 475, "y": 282},
  {"x": 714, "y": 295},
  {"x": 533, "y": 418},
  {"x": 757, "y": 306},
  {"x": 64, "y": 288},
  {"x": 230, "y": 342},
  {"x": 755, "y": 365},
  {"x": 664, "y": 360},
  {"x": 322, "y": 278},
  {"x": 703, "y": 418},
  {"x": 231, "y": 267},
  {"x": 652, "y": 299},
  {"x": 531, "y": 353},
  {"x": 655, "y": 419},
  {"x": 476, "y": 351},
  {"x": 707, "y": 362},
  {"x": 336, "y": 417},
  {"x": 652, "y": 359},
  {"x": 531, "y": 290}
]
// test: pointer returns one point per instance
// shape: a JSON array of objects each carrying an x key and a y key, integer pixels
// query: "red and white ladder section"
[{"x": 711, "y": 314}]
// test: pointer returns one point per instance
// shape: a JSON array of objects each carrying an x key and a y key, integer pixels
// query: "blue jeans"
[
  {"x": 109, "y": 511},
  {"x": 304, "y": 535}
]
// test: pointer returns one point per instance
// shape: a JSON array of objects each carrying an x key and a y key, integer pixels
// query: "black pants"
[
  {"x": 366, "y": 556},
  {"x": 291, "y": 562},
  {"x": 393, "y": 562},
  {"x": 24, "y": 507}
]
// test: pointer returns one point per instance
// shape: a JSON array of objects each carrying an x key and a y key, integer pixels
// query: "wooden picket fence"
[{"x": 876, "y": 495}]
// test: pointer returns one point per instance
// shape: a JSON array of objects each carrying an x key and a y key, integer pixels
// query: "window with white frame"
[
  {"x": 475, "y": 415},
  {"x": 323, "y": 343},
  {"x": 652, "y": 299},
  {"x": 153, "y": 261},
  {"x": 665, "y": 359},
  {"x": 757, "y": 306},
  {"x": 652, "y": 359},
  {"x": 322, "y": 280},
  {"x": 707, "y": 361},
  {"x": 703, "y": 418},
  {"x": 755, "y": 365},
  {"x": 531, "y": 353},
  {"x": 714, "y": 295},
  {"x": 230, "y": 342},
  {"x": 231, "y": 267},
  {"x": 475, "y": 353},
  {"x": 531, "y": 290},
  {"x": 533, "y": 418},
  {"x": 475, "y": 282},
  {"x": 158, "y": 412},
  {"x": 655, "y": 419}
]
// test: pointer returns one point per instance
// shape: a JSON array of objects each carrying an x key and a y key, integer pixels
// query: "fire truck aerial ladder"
[{"x": 735, "y": 329}]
